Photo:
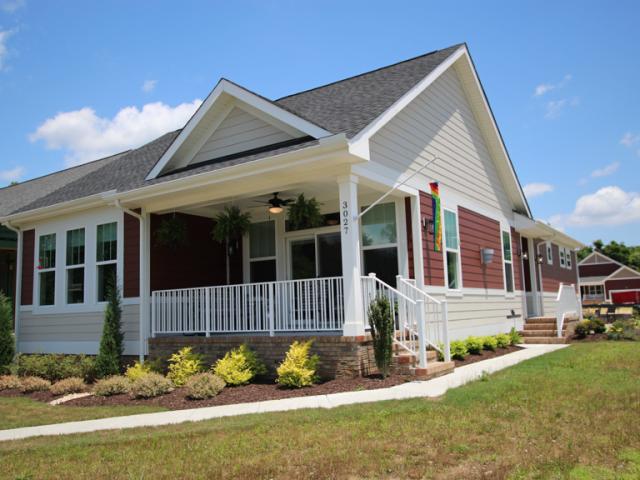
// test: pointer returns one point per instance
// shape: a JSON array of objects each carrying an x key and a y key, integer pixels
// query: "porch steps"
[
  {"x": 542, "y": 330},
  {"x": 405, "y": 363}
]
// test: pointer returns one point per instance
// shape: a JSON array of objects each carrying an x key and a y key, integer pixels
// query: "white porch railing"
[
  {"x": 293, "y": 305},
  {"x": 436, "y": 316},
  {"x": 567, "y": 303}
]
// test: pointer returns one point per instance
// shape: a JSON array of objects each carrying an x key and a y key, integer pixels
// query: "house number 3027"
[{"x": 345, "y": 217}]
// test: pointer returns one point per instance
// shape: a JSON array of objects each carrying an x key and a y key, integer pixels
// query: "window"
[
  {"x": 567, "y": 257},
  {"x": 47, "y": 269},
  {"x": 562, "y": 262},
  {"x": 379, "y": 242},
  {"x": 452, "y": 247},
  {"x": 508, "y": 261},
  {"x": 75, "y": 266},
  {"x": 549, "y": 254},
  {"x": 262, "y": 252},
  {"x": 106, "y": 258}
]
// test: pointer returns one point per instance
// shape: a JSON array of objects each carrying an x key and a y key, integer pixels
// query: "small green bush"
[
  {"x": 503, "y": 340},
  {"x": 183, "y": 365},
  {"x": 68, "y": 385},
  {"x": 382, "y": 325},
  {"x": 239, "y": 366},
  {"x": 624, "y": 330},
  {"x": 115, "y": 385},
  {"x": 137, "y": 370},
  {"x": 489, "y": 343},
  {"x": 151, "y": 385},
  {"x": 204, "y": 385},
  {"x": 582, "y": 329},
  {"x": 7, "y": 340},
  {"x": 298, "y": 368},
  {"x": 597, "y": 325},
  {"x": 34, "y": 384},
  {"x": 458, "y": 349},
  {"x": 9, "y": 382},
  {"x": 474, "y": 345},
  {"x": 54, "y": 367},
  {"x": 515, "y": 336}
]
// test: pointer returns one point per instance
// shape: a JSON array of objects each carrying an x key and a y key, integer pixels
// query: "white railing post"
[
  {"x": 271, "y": 310},
  {"x": 207, "y": 310},
  {"x": 154, "y": 299},
  {"x": 445, "y": 331},
  {"x": 422, "y": 343}
]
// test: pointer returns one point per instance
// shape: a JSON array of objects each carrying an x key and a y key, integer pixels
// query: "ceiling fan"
[{"x": 276, "y": 204}]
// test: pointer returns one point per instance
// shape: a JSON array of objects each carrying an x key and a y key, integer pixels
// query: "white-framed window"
[
  {"x": 549, "y": 249},
  {"x": 508, "y": 261},
  {"x": 47, "y": 269},
  {"x": 380, "y": 242},
  {"x": 106, "y": 258},
  {"x": 562, "y": 257},
  {"x": 74, "y": 265},
  {"x": 567, "y": 257},
  {"x": 452, "y": 250},
  {"x": 262, "y": 251}
]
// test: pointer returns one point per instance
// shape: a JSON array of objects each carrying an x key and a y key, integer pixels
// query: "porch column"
[
  {"x": 416, "y": 234},
  {"x": 351, "y": 271}
]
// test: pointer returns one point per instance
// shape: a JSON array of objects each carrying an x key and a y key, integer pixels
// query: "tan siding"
[
  {"x": 440, "y": 122},
  {"x": 239, "y": 132}
]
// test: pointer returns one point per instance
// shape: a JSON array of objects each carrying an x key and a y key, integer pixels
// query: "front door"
[
  {"x": 315, "y": 256},
  {"x": 302, "y": 258}
]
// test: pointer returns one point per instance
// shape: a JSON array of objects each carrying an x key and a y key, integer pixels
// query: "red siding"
[
  {"x": 517, "y": 259},
  {"x": 131, "y": 279},
  {"x": 200, "y": 263},
  {"x": 553, "y": 275},
  {"x": 621, "y": 284},
  {"x": 433, "y": 261},
  {"x": 598, "y": 270},
  {"x": 28, "y": 244},
  {"x": 477, "y": 232}
]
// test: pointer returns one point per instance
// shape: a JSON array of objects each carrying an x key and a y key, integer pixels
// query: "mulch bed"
[
  {"x": 596, "y": 337},
  {"x": 486, "y": 354}
]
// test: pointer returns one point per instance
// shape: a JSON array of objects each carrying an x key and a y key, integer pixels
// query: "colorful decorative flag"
[{"x": 437, "y": 220}]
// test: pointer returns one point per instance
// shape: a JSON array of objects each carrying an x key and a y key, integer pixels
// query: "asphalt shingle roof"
[{"x": 346, "y": 106}]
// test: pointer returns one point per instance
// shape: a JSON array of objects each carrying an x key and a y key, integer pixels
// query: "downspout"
[
  {"x": 143, "y": 278},
  {"x": 18, "y": 290},
  {"x": 541, "y": 294}
]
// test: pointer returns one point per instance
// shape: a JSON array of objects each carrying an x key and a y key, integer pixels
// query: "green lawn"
[
  {"x": 23, "y": 412},
  {"x": 570, "y": 414}
]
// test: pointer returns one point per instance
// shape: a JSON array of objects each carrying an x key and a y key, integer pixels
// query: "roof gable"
[
  {"x": 623, "y": 272},
  {"x": 596, "y": 257}
]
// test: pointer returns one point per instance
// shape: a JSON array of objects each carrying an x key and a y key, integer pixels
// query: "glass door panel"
[
  {"x": 303, "y": 258},
  {"x": 329, "y": 255}
]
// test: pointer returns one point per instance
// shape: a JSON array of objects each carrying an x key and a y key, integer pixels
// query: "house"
[
  {"x": 367, "y": 149},
  {"x": 7, "y": 261},
  {"x": 603, "y": 279}
]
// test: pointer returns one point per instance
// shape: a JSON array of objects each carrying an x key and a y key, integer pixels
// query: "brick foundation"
[{"x": 339, "y": 356}]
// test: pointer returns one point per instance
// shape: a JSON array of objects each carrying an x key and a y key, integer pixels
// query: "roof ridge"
[{"x": 369, "y": 72}]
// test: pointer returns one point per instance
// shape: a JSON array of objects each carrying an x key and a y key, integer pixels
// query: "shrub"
[
  {"x": 624, "y": 330},
  {"x": 458, "y": 349},
  {"x": 115, "y": 385},
  {"x": 597, "y": 325},
  {"x": 34, "y": 384},
  {"x": 204, "y": 385},
  {"x": 298, "y": 368},
  {"x": 7, "y": 341},
  {"x": 137, "y": 370},
  {"x": 9, "y": 382},
  {"x": 582, "y": 329},
  {"x": 382, "y": 330},
  {"x": 183, "y": 365},
  {"x": 474, "y": 345},
  {"x": 515, "y": 336},
  {"x": 151, "y": 385},
  {"x": 54, "y": 367},
  {"x": 503, "y": 340},
  {"x": 489, "y": 343},
  {"x": 68, "y": 385},
  {"x": 239, "y": 366},
  {"x": 111, "y": 342}
]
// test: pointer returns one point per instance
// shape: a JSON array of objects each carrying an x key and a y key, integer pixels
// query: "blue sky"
[{"x": 84, "y": 79}]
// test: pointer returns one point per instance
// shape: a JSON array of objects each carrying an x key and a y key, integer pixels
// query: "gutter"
[{"x": 18, "y": 290}]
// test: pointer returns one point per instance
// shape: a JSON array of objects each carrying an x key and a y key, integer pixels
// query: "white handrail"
[{"x": 567, "y": 303}]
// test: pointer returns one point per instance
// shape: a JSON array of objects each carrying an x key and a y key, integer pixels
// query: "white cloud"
[
  {"x": 149, "y": 86},
  {"x": 86, "y": 136},
  {"x": 606, "y": 171},
  {"x": 12, "y": 175},
  {"x": 536, "y": 189},
  {"x": 555, "y": 107},
  {"x": 544, "y": 88},
  {"x": 608, "y": 206},
  {"x": 11, "y": 6},
  {"x": 4, "y": 50},
  {"x": 629, "y": 139}
]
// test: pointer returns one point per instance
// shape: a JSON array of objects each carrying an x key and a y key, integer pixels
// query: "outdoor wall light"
[
  {"x": 486, "y": 255},
  {"x": 428, "y": 225},
  {"x": 525, "y": 255},
  {"x": 539, "y": 259}
]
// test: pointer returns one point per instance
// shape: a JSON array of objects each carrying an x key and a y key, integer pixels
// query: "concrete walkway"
[{"x": 429, "y": 388}]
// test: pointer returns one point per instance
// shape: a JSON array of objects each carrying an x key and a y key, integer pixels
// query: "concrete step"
[
  {"x": 544, "y": 340},
  {"x": 540, "y": 333},
  {"x": 530, "y": 327},
  {"x": 540, "y": 320},
  {"x": 433, "y": 370}
]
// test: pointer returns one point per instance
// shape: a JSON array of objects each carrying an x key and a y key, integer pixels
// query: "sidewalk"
[{"x": 429, "y": 388}]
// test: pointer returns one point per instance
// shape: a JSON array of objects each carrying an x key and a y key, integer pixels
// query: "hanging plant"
[
  {"x": 230, "y": 226},
  {"x": 304, "y": 213},
  {"x": 172, "y": 232}
]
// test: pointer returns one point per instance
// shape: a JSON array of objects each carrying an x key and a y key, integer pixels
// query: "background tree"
[
  {"x": 108, "y": 361},
  {"x": 627, "y": 255},
  {"x": 7, "y": 342}
]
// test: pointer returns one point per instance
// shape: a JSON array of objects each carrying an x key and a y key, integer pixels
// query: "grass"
[
  {"x": 23, "y": 412},
  {"x": 570, "y": 414}
]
